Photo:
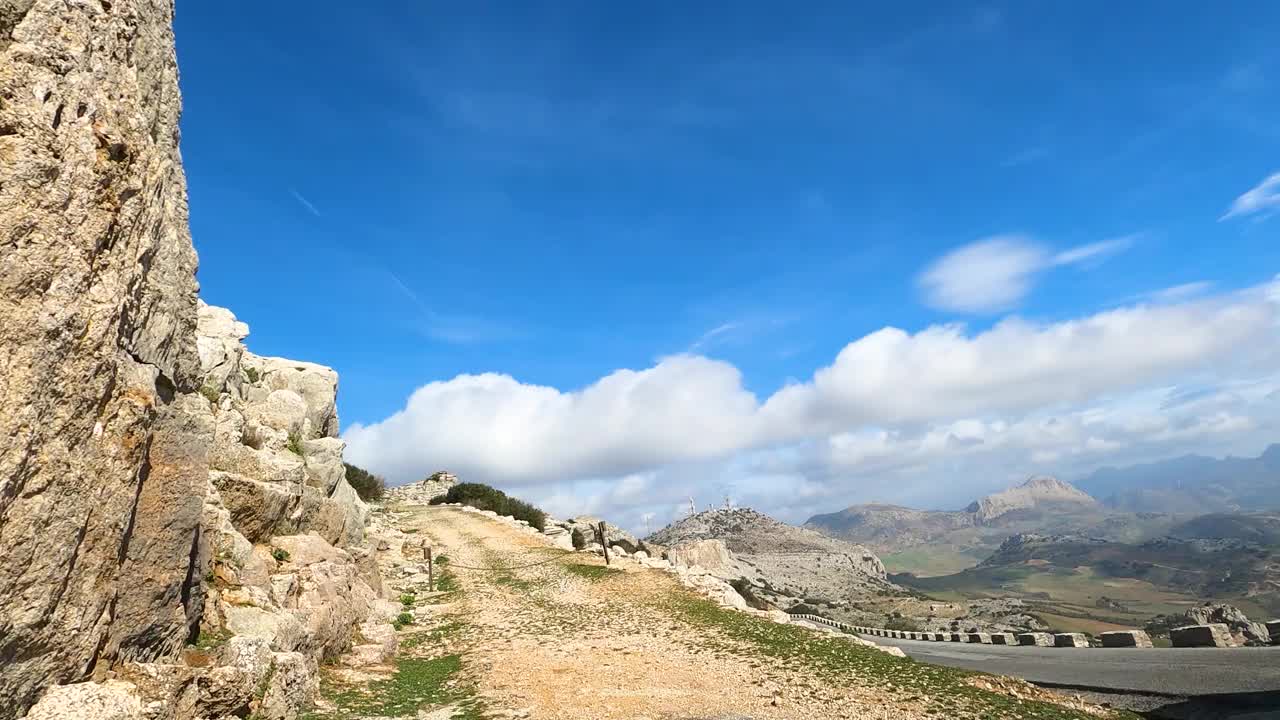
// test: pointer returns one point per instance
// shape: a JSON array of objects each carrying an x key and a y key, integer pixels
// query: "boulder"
[
  {"x": 111, "y": 700},
  {"x": 709, "y": 555},
  {"x": 291, "y": 686},
  {"x": 1036, "y": 639},
  {"x": 1125, "y": 638},
  {"x": 1244, "y": 630},
  {"x": 1209, "y": 635},
  {"x": 1077, "y": 640}
]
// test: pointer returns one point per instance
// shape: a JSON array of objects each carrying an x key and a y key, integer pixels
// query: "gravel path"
[{"x": 538, "y": 632}]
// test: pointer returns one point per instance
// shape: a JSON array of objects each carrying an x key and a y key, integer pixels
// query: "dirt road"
[{"x": 527, "y": 630}]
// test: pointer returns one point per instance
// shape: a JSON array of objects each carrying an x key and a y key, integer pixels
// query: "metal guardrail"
[{"x": 1132, "y": 638}]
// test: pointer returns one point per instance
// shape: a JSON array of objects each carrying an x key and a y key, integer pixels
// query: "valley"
[{"x": 1075, "y": 563}]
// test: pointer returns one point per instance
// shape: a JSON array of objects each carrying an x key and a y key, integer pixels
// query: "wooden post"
[
  {"x": 431, "y": 570},
  {"x": 604, "y": 540}
]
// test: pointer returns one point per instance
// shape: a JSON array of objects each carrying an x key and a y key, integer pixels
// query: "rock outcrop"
[
  {"x": 1243, "y": 630},
  {"x": 1040, "y": 494},
  {"x": 782, "y": 563},
  {"x": 276, "y": 460},
  {"x": 177, "y": 539},
  {"x": 102, "y": 465}
]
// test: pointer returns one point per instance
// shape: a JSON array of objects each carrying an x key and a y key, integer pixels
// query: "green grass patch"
[
  {"x": 416, "y": 683},
  {"x": 592, "y": 572},
  {"x": 434, "y": 636},
  {"x": 837, "y": 661},
  {"x": 211, "y": 640}
]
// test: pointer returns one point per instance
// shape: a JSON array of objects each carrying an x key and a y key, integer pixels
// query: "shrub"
[
  {"x": 402, "y": 619},
  {"x": 368, "y": 486},
  {"x": 251, "y": 374},
  {"x": 487, "y": 498},
  {"x": 408, "y": 600},
  {"x": 295, "y": 443},
  {"x": 578, "y": 540},
  {"x": 743, "y": 586},
  {"x": 210, "y": 393},
  {"x": 280, "y": 554}
]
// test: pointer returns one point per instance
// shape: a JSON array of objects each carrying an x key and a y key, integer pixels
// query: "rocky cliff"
[
  {"x": 177, "y": 539},
  {"x": 102, "y": 468}
]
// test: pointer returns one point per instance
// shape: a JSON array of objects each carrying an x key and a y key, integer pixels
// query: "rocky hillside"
[
  {"x": 1041, "y": 504},
  {"x": 176, "y": 532},
  {"x": 1035, "y": 496},
  {"x": 782, "y": 560}
]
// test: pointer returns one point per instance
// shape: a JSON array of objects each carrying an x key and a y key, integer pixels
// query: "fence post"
[
  {"x": 604, "y": 540},
  {"x": 431, "y": 570}
]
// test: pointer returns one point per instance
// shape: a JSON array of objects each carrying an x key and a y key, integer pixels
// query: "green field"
[
  {"x": 1076, "y": 600},
  {"x": 931, "y": 562}
]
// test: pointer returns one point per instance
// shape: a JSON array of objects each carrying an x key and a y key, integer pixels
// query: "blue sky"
[{"x": 556, "y": 192}]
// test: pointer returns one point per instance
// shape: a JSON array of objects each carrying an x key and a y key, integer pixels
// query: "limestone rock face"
[
  {"x": 710, "y": 555},
  {"x": 1242, "y": 628},
  {"x": 275, "y": 460},
  {"x": 101, "y": 459}
]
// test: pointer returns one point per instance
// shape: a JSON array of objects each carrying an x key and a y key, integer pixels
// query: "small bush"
[
  {"x": 280, "y": 554},
  {"x": 210, "y": 393},
  {"x": 295, "y": 444},
  {"x": 576, "y": 537},
  {"x": 408, "y": 600},
  {"x": 743, "y": 587},
  {"x": 368, "y": 486},
  {"x": 487, "y": 498},
  {"x": 441, "y": 560},
  {"x": 251, "y": 374},
  {"x": 402, "y": 620}
]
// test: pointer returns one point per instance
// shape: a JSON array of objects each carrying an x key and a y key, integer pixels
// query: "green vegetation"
[
  {"x": 744, "y": 588},
  {"x": 251, "y": 374},
  {"x": 417, "y": 683},
  {"x": 578, "y": 539},
  {"x": 402, "y": 620},
  {"x": 593, "y": 572},
  {"x": 931, "y": 561},
  {"x": 210, "y": 393},
  {"x": 211, "y": 640},
  {"x": 368, "y": 486},
  {"x": 408, "y": 600},
  {"x": 295, "y": 443},
  {"x": 835, "y": 660},
  {"x": 280, "y": 554},
  {"x": 484, "y": 497}
]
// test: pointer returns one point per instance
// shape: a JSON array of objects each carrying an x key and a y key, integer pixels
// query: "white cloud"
[
  {"x": 905, "y": 410},
  {"x": 995, "y": 273},
  {"x": 989, "y": 275},
  {"x": 1263, "y": 198}
]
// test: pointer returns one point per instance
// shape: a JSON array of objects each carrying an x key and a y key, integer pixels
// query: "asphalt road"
[{"x": 1185, "y": 672}]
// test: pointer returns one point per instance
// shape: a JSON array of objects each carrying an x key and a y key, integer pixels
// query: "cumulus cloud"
[
  {"x": 995, "y": 273},
  {"x": 1265, "y": 197},
  {"x": 891, "y": 405}
]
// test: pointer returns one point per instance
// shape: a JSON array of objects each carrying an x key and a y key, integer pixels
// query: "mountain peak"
[{"x": 1038, "y": 492}]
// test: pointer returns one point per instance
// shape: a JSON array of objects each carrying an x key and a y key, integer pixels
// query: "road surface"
[{"x": 1184, "y": 672}]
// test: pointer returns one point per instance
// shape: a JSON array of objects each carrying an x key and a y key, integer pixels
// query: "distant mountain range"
[
  {"x": 1136, "y": 504},
  {"x": 1191, "y": 484}
]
